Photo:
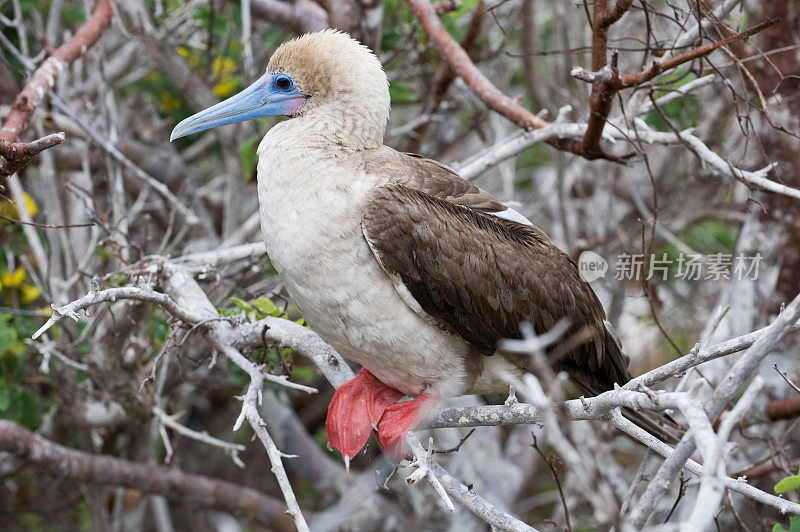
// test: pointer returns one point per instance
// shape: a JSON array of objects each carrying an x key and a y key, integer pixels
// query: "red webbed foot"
[
  {"x": 398, "y": 419},
  {"x": 356, "y": 408}
]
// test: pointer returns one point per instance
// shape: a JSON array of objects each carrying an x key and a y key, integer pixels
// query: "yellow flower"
[
  {"x": 31, "y": 205},
  {"x": 222, "y": 67},
  {"x": 9, "y": 208},
  {"x": 225, "y": 88},
  {"x": 9, "y": 280},
  {"x": 30, "y": 292},
  {"x": 190, "y": 55},
  {"x": 169, "y": 102}
]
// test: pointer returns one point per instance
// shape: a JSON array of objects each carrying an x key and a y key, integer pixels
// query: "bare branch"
[
  {"x": 16, "y": 155},
  {"x": 171, "y": 483},
  {"x": 723, "y": 393},
  {"x": 231, "y": 449},
  {"x": 302, "y": 16},
  {"x": 45, "y": 77},
  {"x": 422, "y": 461}
]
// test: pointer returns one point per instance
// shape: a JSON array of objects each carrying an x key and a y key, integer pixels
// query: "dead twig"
[
  {"x": 783, "y": 374},
  {"x": 552, "y": 467},
  {"x": 16, "y": 155},
  {"x": 607, "y": 81},
  {"x": 44, "y": 79},
  {"x": 478, "y": 83}
]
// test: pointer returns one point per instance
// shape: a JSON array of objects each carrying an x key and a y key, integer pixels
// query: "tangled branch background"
[{"x": 173, "y": 385}]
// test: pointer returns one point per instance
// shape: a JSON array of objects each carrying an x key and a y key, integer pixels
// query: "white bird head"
[{"x": 325, "y": 76}]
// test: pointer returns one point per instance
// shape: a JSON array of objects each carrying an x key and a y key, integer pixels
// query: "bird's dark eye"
[{"x": 283, "y": 83}]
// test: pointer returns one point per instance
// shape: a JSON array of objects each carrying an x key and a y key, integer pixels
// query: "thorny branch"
[
  {"x": 232, "y": 449},
  {"x": 42, "y": 80},
  {"x": 607, "y": 81},
  {"x": 740, "y": 371}
]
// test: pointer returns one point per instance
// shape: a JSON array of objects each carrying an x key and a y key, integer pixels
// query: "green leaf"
[
  {"x": 250, "y": 312},
  {"x": 14, "y": 409},
  {"x": 269, "y": 269},
  {"x": 242, "y": 304},
  {"x": 401, "y": 94},
  {"x": 8, "y": 337},
  {"x": 794, "y": 525},
  {"x": 303, "y": 373},
  {"x": 272, "y": 356},
  {"x": 159, "y": 329},
  {"x": 31, "y": 410},
  {"x": 267, "y": 307},
  {"x": 247, "y": 152},
  {"x": 10, "y": 363},
  {"x": 5, "y": 396},
  {"x": 789, "y": 483}
]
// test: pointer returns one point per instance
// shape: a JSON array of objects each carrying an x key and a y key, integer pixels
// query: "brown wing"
[
  {"x": 481, "y": 277},
  {"x": 431, "y": 177}
]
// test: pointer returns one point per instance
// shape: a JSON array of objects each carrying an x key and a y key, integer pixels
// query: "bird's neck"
[{"x": 353, "y": 127}]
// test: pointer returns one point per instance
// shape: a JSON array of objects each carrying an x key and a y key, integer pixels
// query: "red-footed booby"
[{"x": 392, "y": 258}]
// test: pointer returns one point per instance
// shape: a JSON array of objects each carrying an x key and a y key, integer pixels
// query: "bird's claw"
[
  {"x": 365, "y": 404},
  {"x": 398, "y": 419},
  {"x": 356, "y": 407}
]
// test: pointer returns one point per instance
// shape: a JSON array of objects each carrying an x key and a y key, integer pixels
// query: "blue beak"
[{"x": 263, "y": 98}]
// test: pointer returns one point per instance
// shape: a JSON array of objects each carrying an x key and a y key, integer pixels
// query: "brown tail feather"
[
  {"x": 658, "y": 424},
  {"x": 663, "y": 426}
]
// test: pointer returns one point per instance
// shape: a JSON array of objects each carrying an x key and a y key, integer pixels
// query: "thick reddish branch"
[
  {"x": 607, "y": 81},
  {"x": 458, "y": 59},
  {"x": 602, "y": 95},
  {"x": 446, "y": 6},
  {"x": 784, "y": 408},
  {"x": 445, "y": 75},
  {"x": 478, "y": 83},
  {"x": 43, "y": 80},
  {"x": 769, "y": 466},
  {"x": 45, "y": 77},
  {"x": 610, "y": 16},
  {"x": 632, "y": 80},
  {"x": 171, "y": 483}
]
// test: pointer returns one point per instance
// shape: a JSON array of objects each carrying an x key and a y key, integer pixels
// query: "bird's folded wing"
[
  {"x": 433, "y": 178},
  {"x": 481, "y": 277}
]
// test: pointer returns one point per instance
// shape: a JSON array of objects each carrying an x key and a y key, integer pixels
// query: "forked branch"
[{"x": 43, "y": 80}]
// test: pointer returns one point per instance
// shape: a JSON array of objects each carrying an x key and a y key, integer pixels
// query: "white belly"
[{"x": 313, "y": 236}]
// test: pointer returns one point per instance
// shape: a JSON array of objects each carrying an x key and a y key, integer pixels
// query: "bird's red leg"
[
  {"x": 356, "y": 408},
  {"x": 398, "y": 419}
]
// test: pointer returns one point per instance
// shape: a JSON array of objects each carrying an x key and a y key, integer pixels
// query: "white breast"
[{"x": 310, "y": 202}]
